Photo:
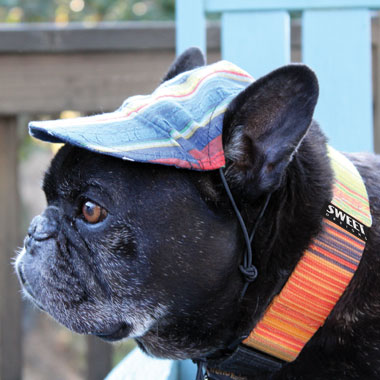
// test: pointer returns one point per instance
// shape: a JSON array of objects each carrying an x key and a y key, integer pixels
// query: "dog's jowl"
[{"x": 211, "y": 220}]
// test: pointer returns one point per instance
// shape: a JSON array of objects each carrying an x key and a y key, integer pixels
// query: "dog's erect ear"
[
  {"x": 264, "y": 126},
  {"x": 188, "y": 60}
]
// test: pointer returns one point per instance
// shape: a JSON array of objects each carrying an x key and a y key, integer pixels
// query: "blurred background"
[
  {"x": 66, "y": 58},
  {"x": 50, "y": 351},
  {"x": 64, "y": 11}
]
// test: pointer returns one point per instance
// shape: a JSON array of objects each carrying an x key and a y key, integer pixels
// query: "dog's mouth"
[
  {"x": 24, "y": 283},
  {"x": 26, "y": 287},
  {"x": 115, "y": 333}
]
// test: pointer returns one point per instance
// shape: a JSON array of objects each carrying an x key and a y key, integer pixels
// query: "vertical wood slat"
[
  {"x": 99, "y": 358},
  {"x": 191, "y": 25},
  {"x": 337, "y": 45},
  {"x": 256, "y": 41},
  {"x": 10, "y": 300}
]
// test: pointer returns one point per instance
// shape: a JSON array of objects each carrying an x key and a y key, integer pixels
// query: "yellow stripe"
[{"x": 346, "y": 173}]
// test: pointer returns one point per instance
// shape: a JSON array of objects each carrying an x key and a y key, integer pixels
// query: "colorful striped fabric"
[
  {"x": 324, "y": 271},
  {"x": 350, "y": 193},
  {"x": 179, "y": 124}
]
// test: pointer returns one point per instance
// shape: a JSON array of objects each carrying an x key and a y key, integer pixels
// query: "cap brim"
[{"x": 179, "y": 124}]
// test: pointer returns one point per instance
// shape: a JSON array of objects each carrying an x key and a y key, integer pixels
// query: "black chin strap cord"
[
  {"x": 248, "y": 270},
  {"x": 200, "y": 374},
  {"x": 200, "y": 367}
]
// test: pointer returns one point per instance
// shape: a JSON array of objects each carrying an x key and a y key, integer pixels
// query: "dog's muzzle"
[{"x": 43, "y": 227}]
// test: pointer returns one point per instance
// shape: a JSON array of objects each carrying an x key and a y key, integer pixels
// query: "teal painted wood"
[
  {"x": 337, "y": 45},
  {"x": 257, "y": 42},
  {"x": 289, "y": 5},
  {"x": 137, "y": 365},
  {"x": 190, "y": 25},
  {"x": 187, "y": 370}
]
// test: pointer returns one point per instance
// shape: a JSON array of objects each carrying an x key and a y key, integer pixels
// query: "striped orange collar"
[{"x": 324, "y": 271}]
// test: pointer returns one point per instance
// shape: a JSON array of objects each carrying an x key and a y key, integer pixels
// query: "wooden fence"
[{"x": 45, "y": 69}]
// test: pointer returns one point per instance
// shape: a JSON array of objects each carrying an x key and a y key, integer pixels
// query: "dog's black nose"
[{"x": 43, "y": 226}]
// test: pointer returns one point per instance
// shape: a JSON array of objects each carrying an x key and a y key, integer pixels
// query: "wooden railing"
[{"x": 45, "y": 69}]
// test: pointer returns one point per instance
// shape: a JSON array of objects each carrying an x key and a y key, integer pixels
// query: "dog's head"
[{"x": 149, "y": 251}]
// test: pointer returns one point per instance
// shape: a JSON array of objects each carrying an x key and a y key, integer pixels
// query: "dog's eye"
[{"x": 93, "y": 213}]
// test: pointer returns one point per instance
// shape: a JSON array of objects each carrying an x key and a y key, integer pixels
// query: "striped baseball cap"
[{"x": 179, "y": 124}]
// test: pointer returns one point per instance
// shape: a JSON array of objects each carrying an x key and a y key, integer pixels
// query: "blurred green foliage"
[{"x": 63, "y": 11}]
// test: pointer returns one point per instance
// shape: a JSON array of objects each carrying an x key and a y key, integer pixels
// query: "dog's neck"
[
  {"x": 324, "y": 271},
  {"x": 292, "y": 218},
  {"x": 315, "y": 285},
  {"x": 276, "y": 251},
  {"x": 284, "y": 232}
]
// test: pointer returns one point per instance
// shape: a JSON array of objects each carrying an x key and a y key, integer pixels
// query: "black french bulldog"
[{"x": 152, "y": 252}]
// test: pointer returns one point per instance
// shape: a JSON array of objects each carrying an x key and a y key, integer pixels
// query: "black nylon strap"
[{"x": 245, "y": 361}]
